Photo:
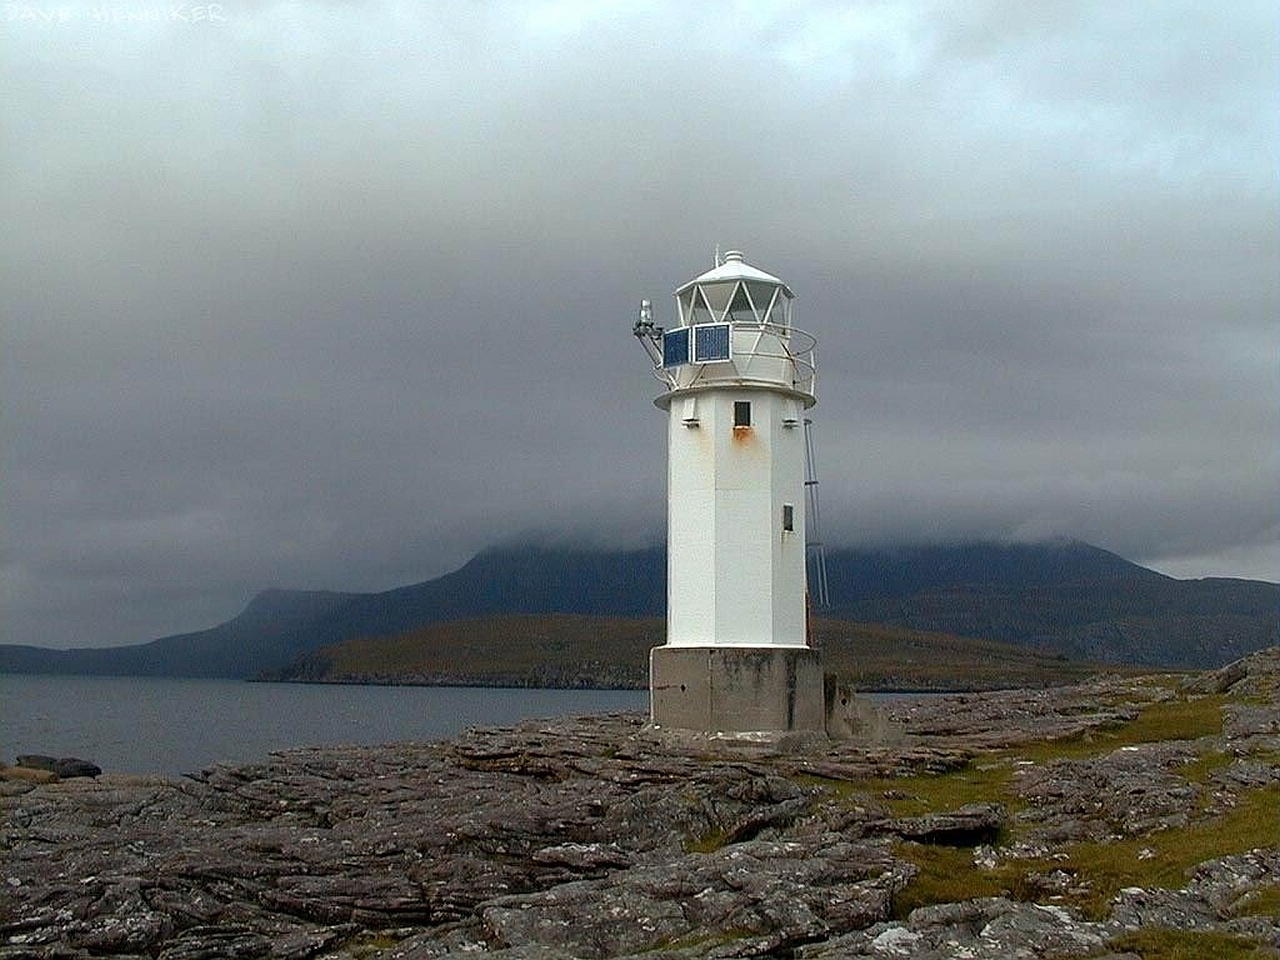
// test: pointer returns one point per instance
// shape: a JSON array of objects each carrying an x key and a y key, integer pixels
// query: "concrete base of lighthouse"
[{"x": 736, "y": 689}]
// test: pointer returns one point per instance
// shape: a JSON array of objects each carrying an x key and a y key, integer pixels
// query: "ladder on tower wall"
[{"x": 816, "y": 558}]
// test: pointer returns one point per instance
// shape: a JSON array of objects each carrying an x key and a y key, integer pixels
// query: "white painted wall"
[{"x": 735, "y": 577}]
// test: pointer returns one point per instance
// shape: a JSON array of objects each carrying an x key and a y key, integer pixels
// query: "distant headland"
[{"x": 598, "y": 611}]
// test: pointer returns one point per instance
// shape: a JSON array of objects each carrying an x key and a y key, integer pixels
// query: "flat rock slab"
[
  {"x": 63, "y": 767},
  {"x": 600, "y": 837}
]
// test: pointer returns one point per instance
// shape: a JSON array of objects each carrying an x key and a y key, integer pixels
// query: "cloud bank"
[{"x": 334, "y": 295}]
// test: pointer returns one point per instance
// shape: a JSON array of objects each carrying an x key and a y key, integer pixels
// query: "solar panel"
[
  {"x": 675, "y": 347},
  {"x": 710, "y": 342}
]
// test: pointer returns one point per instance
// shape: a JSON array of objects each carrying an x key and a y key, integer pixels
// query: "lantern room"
[
  {"x": 734, "y": 323},
  {"x": 734, "y": 292}
]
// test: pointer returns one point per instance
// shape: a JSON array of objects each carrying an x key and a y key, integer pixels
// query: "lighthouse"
[{"x": 737, "y": 379}]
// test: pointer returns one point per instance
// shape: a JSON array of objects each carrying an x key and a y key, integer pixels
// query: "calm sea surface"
[{"x": 175, "y": 726}]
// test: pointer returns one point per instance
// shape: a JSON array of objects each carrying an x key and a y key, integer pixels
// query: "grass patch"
[
  {"x": 1108, "y": 867},
  {"x": 704, "y": 939},
  {"x": 1153, "y": 944},
  {"x": 1080, "y": 746},
  {"x": 947, "y": 875},
  {"x": 367, "y": 945},
  {"x": 987, "y": 779},
  {"x": 1163, "y": 681},
  {"x": 1269, "y": 757},
  {"x": 1180, "y": 719},
  {"x": 830, "y": 786},
  {"x": 1201, "y": 769},
  {"x": 1100, "y": 870},
  {"x": 1264, "y": 902},
  {"x": 1177, "y": 719},
  {"x": 1262, "y": 690},
  {"x": 1097, "y": 870},
  {"x": 708, "y": 842}
]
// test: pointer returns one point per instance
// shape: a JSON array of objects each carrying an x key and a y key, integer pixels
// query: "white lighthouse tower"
[{"x": 738, "y": 377}]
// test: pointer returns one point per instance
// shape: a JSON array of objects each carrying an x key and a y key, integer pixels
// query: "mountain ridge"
[{"x": 1061, "y": 597}]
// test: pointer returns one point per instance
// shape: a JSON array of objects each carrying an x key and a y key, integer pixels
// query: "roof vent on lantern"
[{"x": 735, "y": 292}]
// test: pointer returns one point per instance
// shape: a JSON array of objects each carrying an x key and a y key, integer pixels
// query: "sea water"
[{"x": 174, "y": 726}]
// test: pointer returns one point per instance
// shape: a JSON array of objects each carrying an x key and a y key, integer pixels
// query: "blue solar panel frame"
[
  {"x": 711, "y": 342},
  {"x": 675, "y": 347}
]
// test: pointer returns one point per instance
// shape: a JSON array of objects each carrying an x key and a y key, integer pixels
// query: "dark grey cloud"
[{"x": 333, "y": 296}]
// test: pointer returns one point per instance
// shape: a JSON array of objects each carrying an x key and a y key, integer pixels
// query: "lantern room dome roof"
[{"x": 735, "y": 267}]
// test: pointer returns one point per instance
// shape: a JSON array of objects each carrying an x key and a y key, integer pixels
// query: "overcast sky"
[{"x": 331, "y": 296}]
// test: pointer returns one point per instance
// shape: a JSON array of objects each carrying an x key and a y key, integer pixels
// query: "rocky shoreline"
[{"x": 1103, "y": 819}]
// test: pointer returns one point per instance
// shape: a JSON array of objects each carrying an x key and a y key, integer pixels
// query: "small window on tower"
[
  {"x": 742, "y": 413},
  {"x": 788, "y": 517}
]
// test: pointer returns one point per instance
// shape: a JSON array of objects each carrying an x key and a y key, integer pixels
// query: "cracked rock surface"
[{"x": 601, "y": 837}]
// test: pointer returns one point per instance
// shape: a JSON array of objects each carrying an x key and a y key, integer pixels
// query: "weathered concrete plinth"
[{"x": 736, "y": 689}]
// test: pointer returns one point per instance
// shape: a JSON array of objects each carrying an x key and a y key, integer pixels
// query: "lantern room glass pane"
[
  {"x": 761, "y": 296},
  {"x": 700, "y": 312},
  {"x": 780, "y": 315},
  {"x": 675, "y": 347},
  {"x": 711, "y": 342},
  {"x": 718, "y": 295},
  {"x": 686, "y": 307},
  {"x": 740, "y": 310}
]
